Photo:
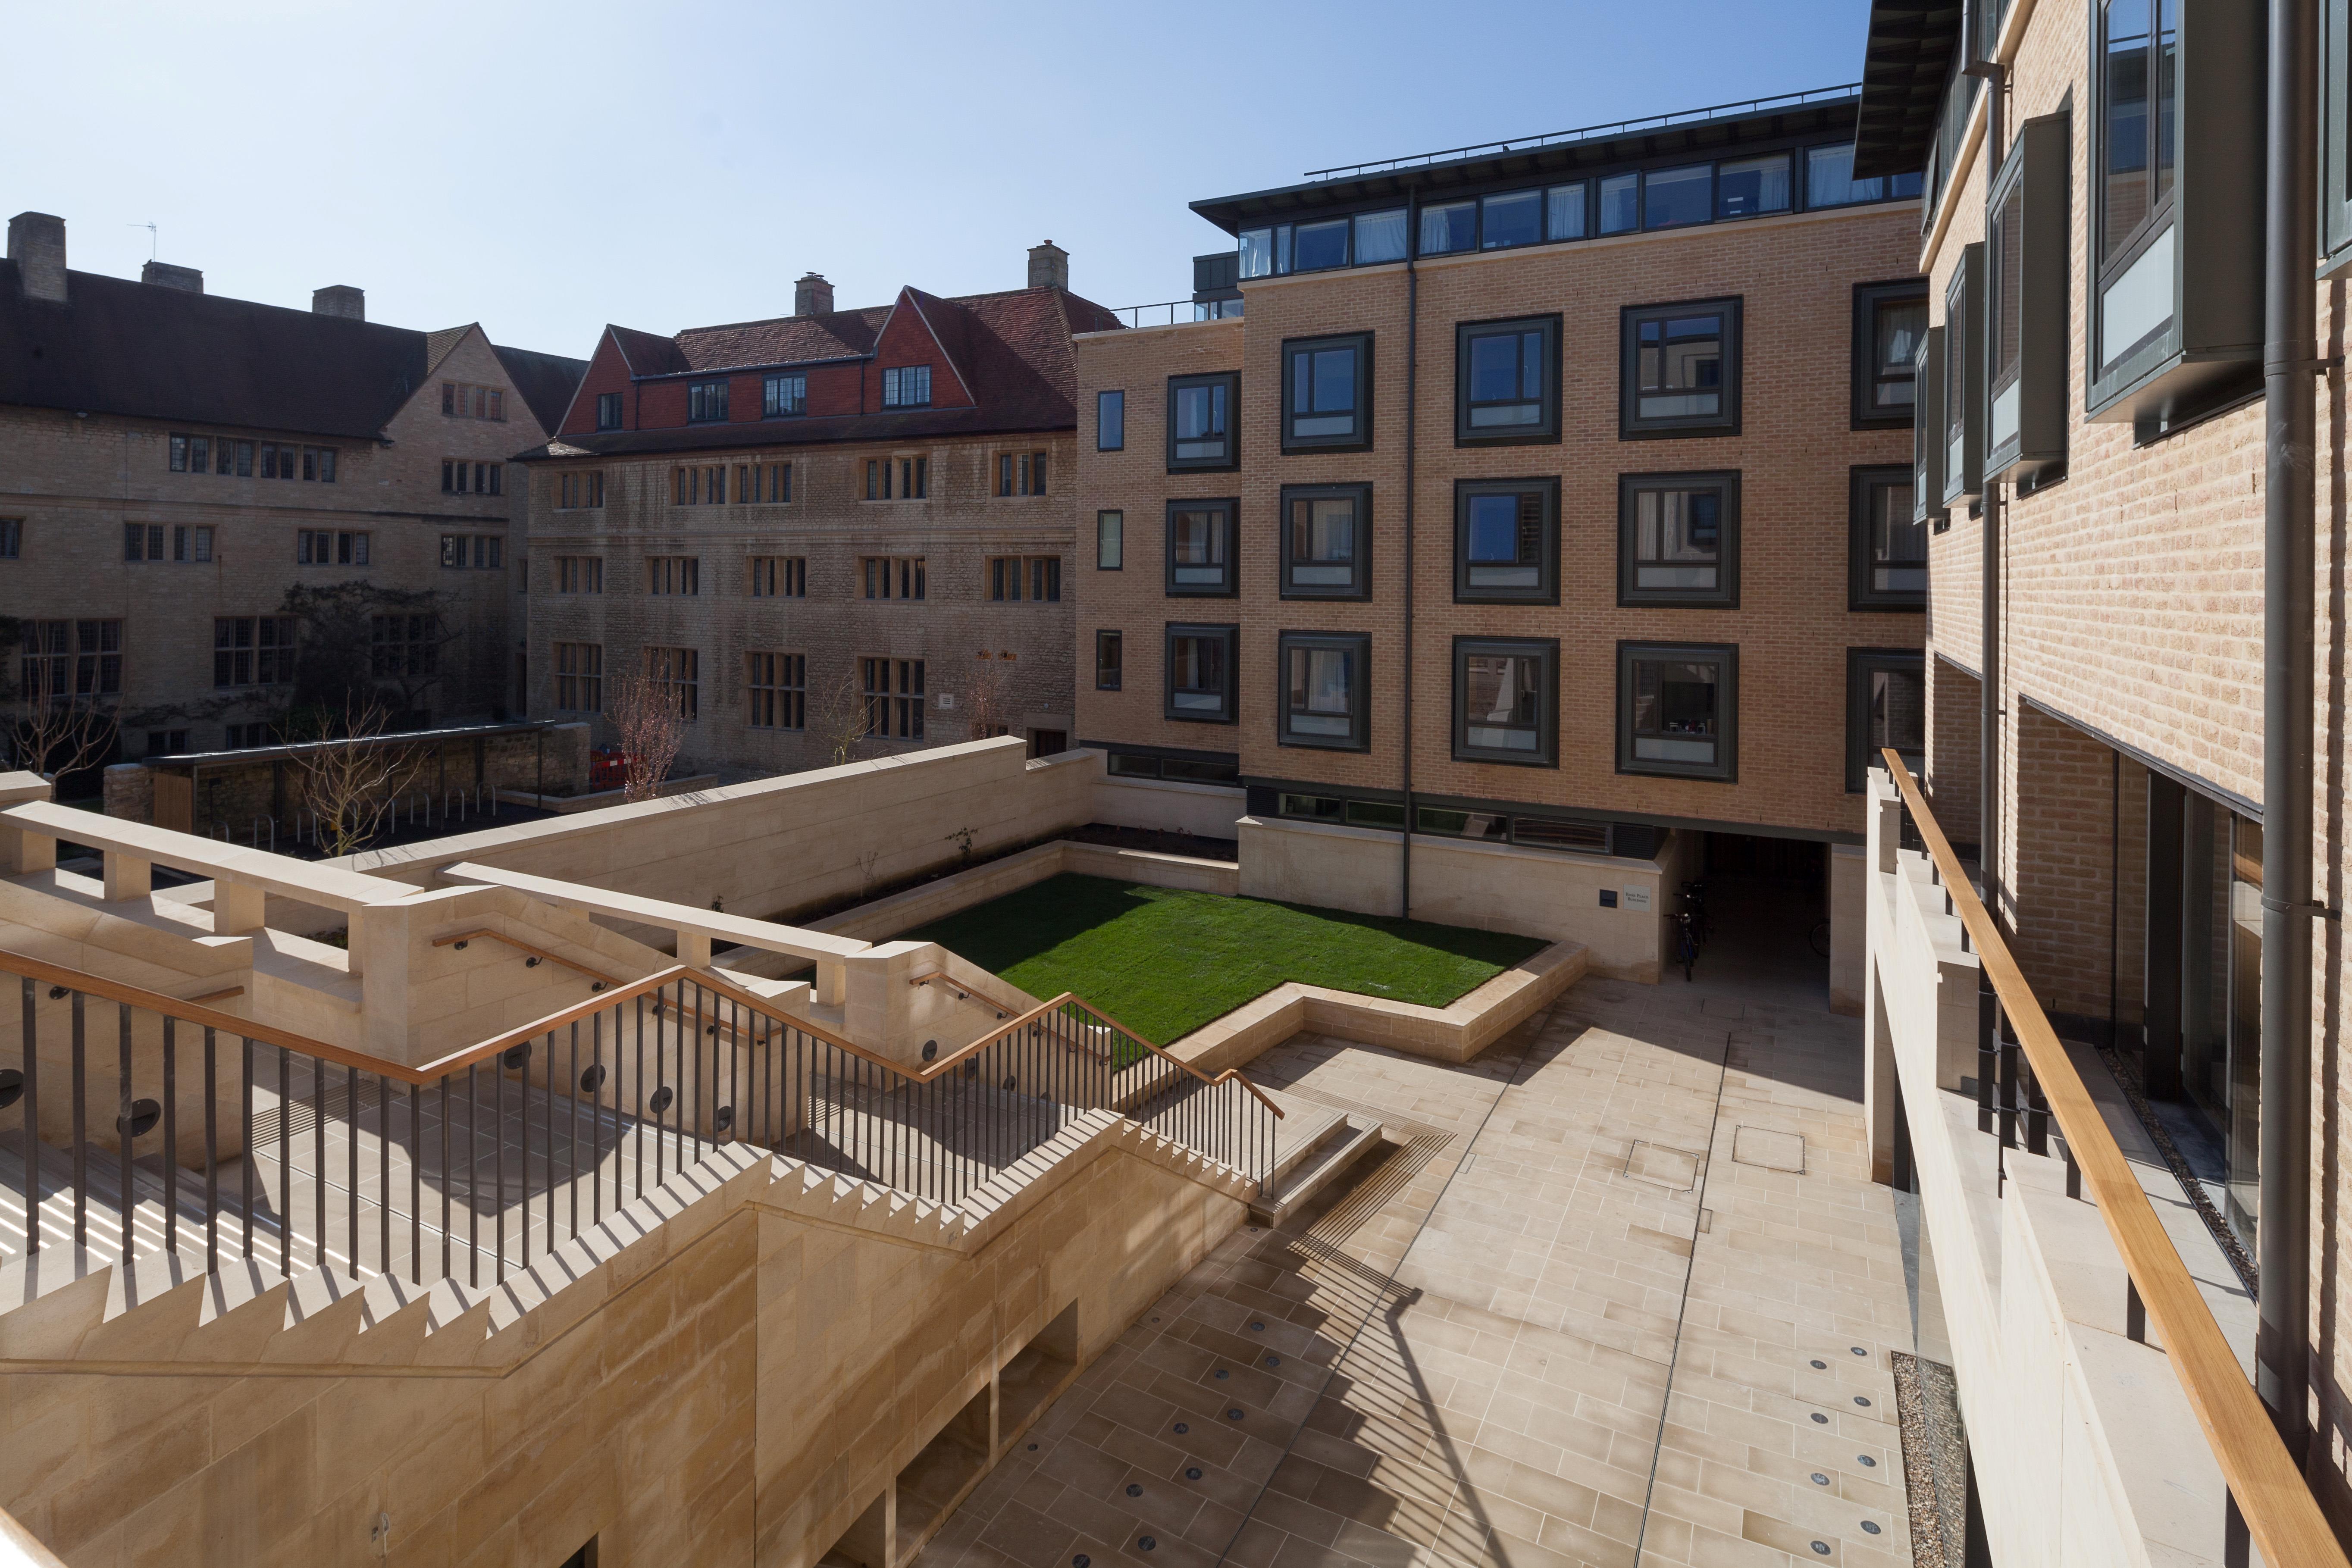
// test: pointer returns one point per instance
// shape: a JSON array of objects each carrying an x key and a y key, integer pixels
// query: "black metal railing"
[
  {"x": 1596, "y": 132},
  {"x": 144, "y": 1124}
]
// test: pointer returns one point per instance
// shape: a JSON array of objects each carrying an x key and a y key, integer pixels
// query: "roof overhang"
[{"x": 1906, "y": 64}]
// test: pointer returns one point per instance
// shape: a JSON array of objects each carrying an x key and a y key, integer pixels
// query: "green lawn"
[{"x": 1164, "y": 961}]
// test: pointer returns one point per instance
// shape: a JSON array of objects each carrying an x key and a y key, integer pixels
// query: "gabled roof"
[
  {"x": 787, "y": 340},
  {"x": 1012, "y": 351},
  {"x": 544, "y": 382},
  {"x": 142, "y": 350}
]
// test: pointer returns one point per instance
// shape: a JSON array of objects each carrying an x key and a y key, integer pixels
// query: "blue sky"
[{"x": 546, "y": 170}]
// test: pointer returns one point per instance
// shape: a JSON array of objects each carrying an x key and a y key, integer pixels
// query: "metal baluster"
[
  {"x": 383, "y": 1175},
  {"x": 661, "y": 1076},
  {"x": 319, "y": 1161},
  {"x": 2037, "y": 1114},
  {"x": 244, "y": 1143},
  {"x": 473, "y": 1183},
  {"x": 1988, "y": 1055},
  {"x": 285, "y": 1164},
  {"x": 80, "y": 1130},
  {"x": 171, "y": 1136},
  {"x": 352, "y": 1142},
  {"x": 499, "y": 1166},
  {"x": 416, "y": 1189},
  {"x": 32, "y": 1127},
  {"x": 448, "y": 1172},
  {"x": 211, "y": 1158},
  {"x": 638, "y": 1079},
  {"x": 572, "y": 1148},
  {"x": 122, "y": 1125}
]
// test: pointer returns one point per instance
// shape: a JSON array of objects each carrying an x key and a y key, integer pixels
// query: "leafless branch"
[{"x": 651, "y": 729}]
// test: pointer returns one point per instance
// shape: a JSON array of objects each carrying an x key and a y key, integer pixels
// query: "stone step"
[{"x": 1325, "y": 1164}]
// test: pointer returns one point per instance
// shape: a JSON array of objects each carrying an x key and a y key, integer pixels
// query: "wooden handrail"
[
  {"x": 2278, "y": 1510},
  {"x": 460, "y": 939},
  {"x": 32, "y": 968}
]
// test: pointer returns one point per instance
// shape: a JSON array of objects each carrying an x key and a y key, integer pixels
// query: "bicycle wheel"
[{"x": 1820, "y": 939}]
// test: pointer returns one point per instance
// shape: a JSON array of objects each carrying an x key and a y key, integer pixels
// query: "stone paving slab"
[{"x": 1510, "y": 1342}]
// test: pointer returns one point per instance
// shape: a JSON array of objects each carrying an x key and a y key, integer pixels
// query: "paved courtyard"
[{"x": 1623, "y": 1292}]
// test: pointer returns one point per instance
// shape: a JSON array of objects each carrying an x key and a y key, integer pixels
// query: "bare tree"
[
  {"x": 345, "y": 772},
  {"x": 651, "y": 725},
  {"x": 52, "y": 726},
  {"x": 988, "y": 695},
  {"x": 838, "y": 717}
]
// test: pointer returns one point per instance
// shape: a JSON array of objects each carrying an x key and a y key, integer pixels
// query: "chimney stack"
[
  {"x": 1049, "y": 267},
  {"x": 36, "y": 243},
  {"x": 339, "y": 300},
  {"x": 813, "y": 296},
  {"x": 163, "y": 275}
]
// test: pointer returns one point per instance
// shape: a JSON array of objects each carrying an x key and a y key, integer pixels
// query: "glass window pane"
[
  {"x": 1200, "y": 546},
  {"x": 1681, "y": 367},
  {"x": 1317, "y": 245},
  {"x": 1110, "y": 421},
  {"x": 1674, "y": 711},
  {"x": 1564, "y": 212},
  {"x": 1678, "y": 538},
  {"x": 1830, "y": 182},
  {"x": 1320, "y": 681},
  {"x": 1898, "y": 712},
  {"x": 1501, "y": 694},
  {"x": 1620, "y": 203},
  {"x": 1453, "y": 226},
  {"x": 1108, "y": 527},
  {"x": 1752, "y": 185},
  {"x": 1898, "y": 542},
  {"x": 1380, "y": 237},
  {"x": 1462, "y": 824},
  {"x": 1323, "y": 540},
  {"x": 1897, "y": 330},
  {"x": 1257, "y": 253},
  {"x": 1674, "y": 196},
  {"x": 1513, "y": 219},
  {"x": 2123, "y": 187}
]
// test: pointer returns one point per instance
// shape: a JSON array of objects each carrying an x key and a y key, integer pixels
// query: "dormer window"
[
  {"x": 608, "y": 411},
  {"x": 706, "y": 401},
  {"x": 906, "y": 386}
]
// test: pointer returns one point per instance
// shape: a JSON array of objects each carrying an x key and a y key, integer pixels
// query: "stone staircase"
[{"x": 1315, "y": 1147}]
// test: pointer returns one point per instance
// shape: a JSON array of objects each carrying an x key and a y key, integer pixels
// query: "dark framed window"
[
  {"x": 1380, "y": 237},
  {"x": 1507, "y": 700},
  {"x": 1620, "y": 203},
  {"x": 1201, "y": 548},
  {"x": 1887, "y": 542},
  {"x": 2029, "y": 246},
  {"x": 1672, "y": 197},
  {"x": 1751, "y": 188},
  {"x": 906, "y": 386},
  {"x": 1327, "y": 542},
  {"x": 1110, "y": 421},
  {"x": 1507, "y": 540},
  {"x": 1326, "y": 694},
  {"x": 1202, "y": 414},
  {"x": 1194, "y": 767},
  {"x": 1200, "y": 663},
  {"x": 1327, "y": 393},
  {"x": 1506, "y": 382},
  {"x": 1564, "y": 212},
  {"x": 1963, "y": 396},
  {"x": 1889, "y": 318},
  {"x": 1677, "y": 710},
  {"x": 706, "y": 401},
  {"x": 608, "y": 411},
  {"x": 1885, "y": 705},
  {"x": 1514, "y": 218},
  {"x": 2178, "y": 183},
  {"x": 1110, "y": 549},
  {"x": 1110, "y": 660},
  {"x": 1315, "y": 247},
  {"x": 1448, "y": 227},
  {"x": 1680, "y": 370},
  {"x": 1678, "y": 539},
  {"x": 1928, "y": 433},
  {"x": 783, "y": 395}
]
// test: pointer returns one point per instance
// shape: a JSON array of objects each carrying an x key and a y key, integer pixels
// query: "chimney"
[
  {"x": 1049, "y": 267},
  {"x": 163, "y": 275},
  {"x": 36, "y": 243},
  {"x": 813, "y": 296},
  {"x": 339, "y": 300}
]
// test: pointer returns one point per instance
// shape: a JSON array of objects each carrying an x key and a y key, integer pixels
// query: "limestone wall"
[
  {"x": 1492, "y": 886},
  {"x": 778, "y": 846},
  {"x": 736, "y": 1373}
]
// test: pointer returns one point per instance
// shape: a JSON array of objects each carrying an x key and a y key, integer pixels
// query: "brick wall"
[{"x": 1794, "y": 452}]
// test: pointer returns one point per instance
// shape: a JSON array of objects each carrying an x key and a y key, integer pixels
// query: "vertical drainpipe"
[
  {"x": 1411, "y": 410},
  {"x": 2290, "y": 308}
]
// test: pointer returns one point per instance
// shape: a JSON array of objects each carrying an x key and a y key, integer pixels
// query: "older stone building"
[
  {"x": 175, "y": 464},
  {"x": 836, "y": 533},
  {"x": 1545, "y": 514}
]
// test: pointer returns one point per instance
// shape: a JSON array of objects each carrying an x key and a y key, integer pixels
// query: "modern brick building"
[
  {"x": 174, "y": 464},
  {"x": 1537, "y": 512},
  {"x": 833, "y": 531},
  {"x": 2122, "y": 551}
]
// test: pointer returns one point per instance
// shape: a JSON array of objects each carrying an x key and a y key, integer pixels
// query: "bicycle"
[
  {"x": 1695, "y": 905},
  {"x": 1687, "y": 941}
]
